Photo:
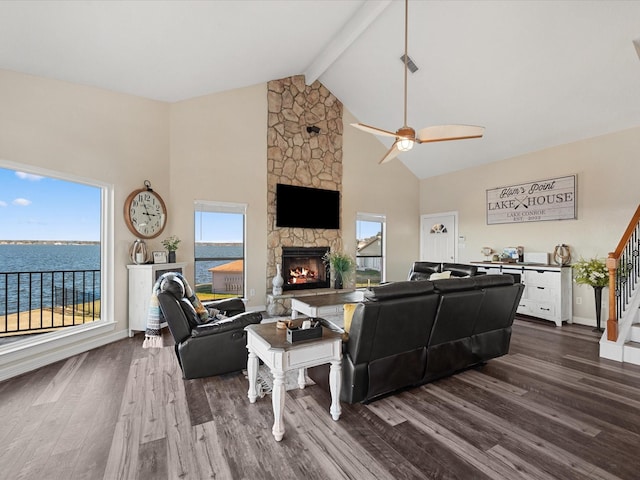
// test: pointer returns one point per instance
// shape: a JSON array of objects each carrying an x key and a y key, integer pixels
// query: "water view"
[{"x": 21, "y": 291}]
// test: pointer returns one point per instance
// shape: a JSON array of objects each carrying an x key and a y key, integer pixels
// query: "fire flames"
[{"x": 301, "y": 275}]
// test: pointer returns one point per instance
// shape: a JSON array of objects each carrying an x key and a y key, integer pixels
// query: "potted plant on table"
[
  {"x": 342, "y": 265},
  {"x": 171, "y": 245},
  {"x": 593, "y": 272}
]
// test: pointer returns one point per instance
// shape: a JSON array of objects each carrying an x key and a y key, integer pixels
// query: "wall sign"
[{"x": 553, "y": 199}]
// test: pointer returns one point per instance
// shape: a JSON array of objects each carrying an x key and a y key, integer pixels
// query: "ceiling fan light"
[{"x": 405, "y": 144}]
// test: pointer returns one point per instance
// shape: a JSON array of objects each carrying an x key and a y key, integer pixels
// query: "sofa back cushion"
[
  {"x": 498, "y": 307},
  {"x": 173, "y": 313},
  {"x": 398, "y": 290},
  {"x": 383, "y": 328},
  {"x": 456, "y": 315},
  {"x": 484, "y": 281}
]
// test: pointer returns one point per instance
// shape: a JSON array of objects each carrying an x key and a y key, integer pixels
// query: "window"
[
  {"x": 370, "y": 232},
  {"x": 219, "y": 250},
  {"x": 52, "y": 230}
]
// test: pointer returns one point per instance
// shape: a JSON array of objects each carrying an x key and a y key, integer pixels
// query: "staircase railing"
[{"x": 624, "y": 272}]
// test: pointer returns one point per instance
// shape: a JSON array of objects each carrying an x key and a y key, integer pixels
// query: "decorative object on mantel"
[
  {"x": 278, "y": 281},
  {"x": 486, "y": 251},
  {"x": 342, "y": 264},
  {"x": 562, "y": 255},
  {"x": 138, "y": 252},
  {"x": 593, "y": 272},
  {"x": 171, "y": 245}
]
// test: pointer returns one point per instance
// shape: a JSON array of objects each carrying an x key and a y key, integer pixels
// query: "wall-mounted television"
[{"x": 305, "y": 207}]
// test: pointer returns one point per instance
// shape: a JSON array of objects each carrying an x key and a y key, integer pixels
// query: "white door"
[{"x": 438, "y": 237}]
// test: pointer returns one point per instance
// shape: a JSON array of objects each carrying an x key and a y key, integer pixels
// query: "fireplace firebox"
[{"x": 303, "y": 268}]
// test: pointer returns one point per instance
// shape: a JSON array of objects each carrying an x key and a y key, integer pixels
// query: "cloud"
[
  {"x": 28, "y": 176},
  {"x": 3, "y": 204},
  {"x": 21, "y": 202}
]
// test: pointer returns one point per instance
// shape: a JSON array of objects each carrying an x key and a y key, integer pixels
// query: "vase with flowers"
[
  {"x": 171, "y": 245},
  {"x": 593, "y": 272},
  {"x": 342, "y": 264}
]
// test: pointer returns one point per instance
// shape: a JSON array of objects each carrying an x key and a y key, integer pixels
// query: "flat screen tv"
[{"x": 305, "y": 207}]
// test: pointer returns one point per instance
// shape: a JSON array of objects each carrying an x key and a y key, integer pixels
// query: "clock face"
[{"x": 145, "y": 213}]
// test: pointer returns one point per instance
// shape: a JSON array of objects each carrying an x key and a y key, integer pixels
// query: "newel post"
[{"x": 612, "y": 321}]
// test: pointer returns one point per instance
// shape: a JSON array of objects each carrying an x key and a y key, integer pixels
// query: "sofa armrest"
[
  {"x": 227, "y": 306},
  {"x": 237, "y": 322}
]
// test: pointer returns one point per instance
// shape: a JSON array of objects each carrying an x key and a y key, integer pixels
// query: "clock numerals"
[{"x": 145, "y": 213}]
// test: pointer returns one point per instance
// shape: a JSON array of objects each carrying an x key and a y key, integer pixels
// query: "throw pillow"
[
  {"x": 349, "y": 308},
  {"x": 440, "y": 275}
]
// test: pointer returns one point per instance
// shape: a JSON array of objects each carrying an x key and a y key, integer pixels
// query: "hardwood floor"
[{"x": 551, "y": 409}]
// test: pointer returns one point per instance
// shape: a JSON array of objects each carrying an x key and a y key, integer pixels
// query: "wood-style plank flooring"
[{"x": 551, "y": 409}]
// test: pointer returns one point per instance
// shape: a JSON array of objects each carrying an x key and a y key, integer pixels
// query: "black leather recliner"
[
  {"x": 211, "y": 348},
  {"x": 423, "y": 270}
]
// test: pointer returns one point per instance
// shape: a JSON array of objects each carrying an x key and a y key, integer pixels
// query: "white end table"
[{"x": 269, "y": 344}]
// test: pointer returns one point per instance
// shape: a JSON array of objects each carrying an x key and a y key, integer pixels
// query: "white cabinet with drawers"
[
  {"x": 142, "y": 278},
  {"x": 547, "y": 289}
]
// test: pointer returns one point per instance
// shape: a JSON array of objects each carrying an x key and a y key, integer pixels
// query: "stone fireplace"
[
  {"x": 303, "y": 268},
  {"x": 301, "y": 156}
]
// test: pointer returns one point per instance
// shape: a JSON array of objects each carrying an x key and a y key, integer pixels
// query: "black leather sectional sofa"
[{"x": 412, "y": 332}]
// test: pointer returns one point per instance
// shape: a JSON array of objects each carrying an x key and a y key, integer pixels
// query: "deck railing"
[
  {"x": 33, "y": 302},
  {"x": 624, "y": 272}
]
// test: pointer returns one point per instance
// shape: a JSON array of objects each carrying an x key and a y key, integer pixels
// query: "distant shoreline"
[{"x": 49, "y": 242}]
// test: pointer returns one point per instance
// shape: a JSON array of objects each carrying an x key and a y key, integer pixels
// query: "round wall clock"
[{"x": 144, "y": 212}]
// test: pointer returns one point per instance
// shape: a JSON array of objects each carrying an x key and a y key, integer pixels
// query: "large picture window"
[
  {"x": 51, "y": 253},
  {"x": 370, "y": 259},
  {"x": 219, "y": 250}
]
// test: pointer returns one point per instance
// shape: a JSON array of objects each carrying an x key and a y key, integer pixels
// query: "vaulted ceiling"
[{"x": 535, "y": 73}]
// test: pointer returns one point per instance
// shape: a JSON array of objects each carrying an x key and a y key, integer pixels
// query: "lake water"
[{"x": 48, "y": 257}]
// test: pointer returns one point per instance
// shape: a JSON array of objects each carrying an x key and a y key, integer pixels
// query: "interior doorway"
[{"x": 438, "y": 237}]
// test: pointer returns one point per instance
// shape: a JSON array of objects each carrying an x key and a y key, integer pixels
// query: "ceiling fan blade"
[
  {"x": 441, "y": 133},
  {"x": 391, "y": 154},
  {"x": 374, "y": 130}
]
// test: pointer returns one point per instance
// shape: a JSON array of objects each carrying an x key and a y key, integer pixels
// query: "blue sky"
[
  {"x": 43, "y": 208},
  {"x": 33, "y": 207},
  {"x": 218, "y": 227}
]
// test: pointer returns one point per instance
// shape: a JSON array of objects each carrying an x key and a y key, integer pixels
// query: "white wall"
[
  {"x": 90, "y": 133},
  {"x": 389, "y": 189},
  {"x": 607, "y": 170},
  {"x": 219, "y": 153}
]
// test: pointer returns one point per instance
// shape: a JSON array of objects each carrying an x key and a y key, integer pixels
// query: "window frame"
[
  {"x": 73, "y": 336},
  {"x": 376, "y": 218},
  {"x": 213, "y": 206}
]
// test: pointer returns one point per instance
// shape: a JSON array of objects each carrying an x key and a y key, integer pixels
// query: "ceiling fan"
[{"x": 406, "y": 136}]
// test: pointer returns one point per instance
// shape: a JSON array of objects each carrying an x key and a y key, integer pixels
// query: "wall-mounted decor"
[{"x": 552, "y": 199}]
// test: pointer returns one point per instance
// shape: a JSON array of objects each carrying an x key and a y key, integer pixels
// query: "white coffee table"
[{"x": 269, "y": 344}]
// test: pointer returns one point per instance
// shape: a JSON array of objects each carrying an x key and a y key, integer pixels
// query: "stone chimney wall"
[{"x": 297, "y": 157}]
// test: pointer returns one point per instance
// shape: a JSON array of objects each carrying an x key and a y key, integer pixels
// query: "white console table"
[
  {"x": 141, "y": 281},
  {"x": 547, "y": 289}
]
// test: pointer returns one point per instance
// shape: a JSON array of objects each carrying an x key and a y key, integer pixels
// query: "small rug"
[{"x": 265, "y": 380}]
